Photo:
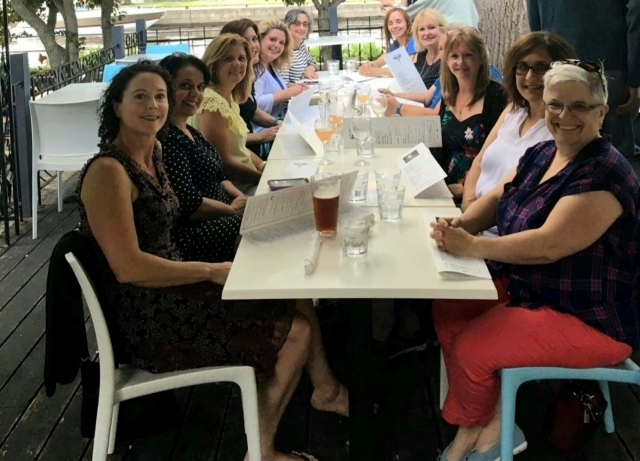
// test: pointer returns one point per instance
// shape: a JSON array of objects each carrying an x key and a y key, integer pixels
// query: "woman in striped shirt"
[{"x": 302, "y": 66}]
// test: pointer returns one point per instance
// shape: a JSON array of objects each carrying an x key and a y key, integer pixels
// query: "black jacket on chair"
[{"x": 66, "y": 341}]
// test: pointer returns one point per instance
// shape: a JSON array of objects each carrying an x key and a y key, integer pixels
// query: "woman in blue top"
[{"x": 397, "y": 33}]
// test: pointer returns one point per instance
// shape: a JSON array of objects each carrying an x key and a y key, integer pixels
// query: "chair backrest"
[
  {"x": 105, "y": 347},
  {"x": 110, "y": 71},
  {"x": 168, "y": 49},
  {"x": 65, "y": 129}
]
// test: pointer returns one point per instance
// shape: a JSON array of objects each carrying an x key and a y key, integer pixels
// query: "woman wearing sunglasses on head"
[
  {"x": 521, "y": 124},
  {"x": 565, "y": 264}
]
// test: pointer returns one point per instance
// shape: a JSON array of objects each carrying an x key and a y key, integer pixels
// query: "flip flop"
[{"x": 304, "y": 456}]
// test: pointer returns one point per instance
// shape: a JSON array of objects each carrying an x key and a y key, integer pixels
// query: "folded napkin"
[{"x": 312, "y": 254}]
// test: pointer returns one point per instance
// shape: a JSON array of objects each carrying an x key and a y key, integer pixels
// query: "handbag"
[{"x": 576, "y": 414}]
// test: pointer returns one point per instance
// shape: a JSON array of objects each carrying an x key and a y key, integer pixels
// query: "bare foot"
[{"x": 335, "y": 401}]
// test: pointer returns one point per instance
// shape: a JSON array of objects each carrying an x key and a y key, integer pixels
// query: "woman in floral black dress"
[{"x": 169, "y": 313}]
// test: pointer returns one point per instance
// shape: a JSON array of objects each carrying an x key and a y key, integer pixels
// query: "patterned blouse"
[
  {"x": 462, "y": 140},
  {"x": 599, "y": 284},
  {"x": 301, "y": 60}
]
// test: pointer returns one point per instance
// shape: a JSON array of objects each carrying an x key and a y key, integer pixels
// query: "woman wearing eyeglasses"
[
  {"x": 521, "y": 124},
  {"x": 302, "y": 65},
  {"x": 397, "y": 33},
  {"x": 565, "y": 263}
]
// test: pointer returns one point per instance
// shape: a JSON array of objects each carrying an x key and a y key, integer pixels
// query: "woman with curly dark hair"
[{"x": 169, "y": 313}]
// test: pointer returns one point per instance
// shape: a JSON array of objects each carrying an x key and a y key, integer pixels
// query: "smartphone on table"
[{"x": 277, "y": 184}]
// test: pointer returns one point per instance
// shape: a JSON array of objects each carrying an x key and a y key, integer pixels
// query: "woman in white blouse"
[
  {"x": 521, "y": 124},
  {"x": 276, "y": 51},
  {"x": 303, "y": 65}
]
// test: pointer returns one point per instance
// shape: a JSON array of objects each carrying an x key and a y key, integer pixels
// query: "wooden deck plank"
[{"x": 34, "y": 260}]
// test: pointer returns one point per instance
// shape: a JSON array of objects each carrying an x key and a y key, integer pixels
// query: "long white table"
[{"x": 398, "y": 265}]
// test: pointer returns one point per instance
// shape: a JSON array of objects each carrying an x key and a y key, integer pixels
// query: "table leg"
[{"x": 363, "y": 433}]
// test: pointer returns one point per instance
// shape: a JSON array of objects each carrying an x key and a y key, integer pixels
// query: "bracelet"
[
  {"x": 399, "y": 109},
  {"x": 276, "y": 120}
]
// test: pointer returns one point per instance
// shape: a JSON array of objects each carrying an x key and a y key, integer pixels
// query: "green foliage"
[{"x": 364, "y": 52}]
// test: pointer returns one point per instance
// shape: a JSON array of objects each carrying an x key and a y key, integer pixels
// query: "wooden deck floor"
[{"x": 34, "y": 427}]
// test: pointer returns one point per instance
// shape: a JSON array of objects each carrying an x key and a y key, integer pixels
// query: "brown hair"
[
  {"x": 239, "y": 26},
  {"x": 553, "y": 44},
  {"x": 387, "y": 34},
  {"x": 287, "y": 54},
  {"x": 217, "y": 50},
  {"x": 450, "y": 85},
  {"x": 428, "y": 14}
]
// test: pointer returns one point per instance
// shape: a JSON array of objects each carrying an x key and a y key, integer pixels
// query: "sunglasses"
[
  {"x": 522, "y": 68},
  {"x": 589, "y": 66}
]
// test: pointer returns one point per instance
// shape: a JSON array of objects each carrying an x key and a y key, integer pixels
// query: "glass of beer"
[{"x": 325, "y": 188}]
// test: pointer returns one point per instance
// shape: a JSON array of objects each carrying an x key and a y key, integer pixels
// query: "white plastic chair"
[
  {"x": 64, "y": 137},
  {"x": 125, "y": 383}
]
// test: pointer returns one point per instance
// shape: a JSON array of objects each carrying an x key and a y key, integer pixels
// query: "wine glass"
[
  {"x": 379, "y": 104},
  {"x": 361, "y": 130},
  {"x": 363, "y": 94},
  {"x": 336, "y": 116},
  {"x": 324, "y": 86},
  {"x": 324, "y": 131}
]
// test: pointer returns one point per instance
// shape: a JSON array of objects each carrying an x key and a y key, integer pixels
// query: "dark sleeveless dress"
[{"x": 168, "y": 329}]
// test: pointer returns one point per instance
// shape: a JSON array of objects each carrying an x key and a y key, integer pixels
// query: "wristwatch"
[
  {"x": 276, "y": 120},
  {"x": 399, "y": 109}
]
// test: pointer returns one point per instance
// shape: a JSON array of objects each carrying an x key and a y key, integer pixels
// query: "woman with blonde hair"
[
  {"x": 228, "y": 59},
  {"x": 470, "y": 107},
  {"x": 276, "y": 51},
  {"x": 427, "y": 27},
  {"x": 397, "y": 33}
]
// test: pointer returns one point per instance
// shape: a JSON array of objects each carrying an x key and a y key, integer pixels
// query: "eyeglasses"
[
  {"x": 522, "y": 68},
  {"x": 589, "y": 66},
  {"x": 577, "y": 107},
  {"x": 303, "y": 24}
]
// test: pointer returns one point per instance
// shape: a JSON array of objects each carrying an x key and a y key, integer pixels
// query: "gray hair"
[
  {"x": 292, "y": 16},
  {"x": 596, "y": 82}
]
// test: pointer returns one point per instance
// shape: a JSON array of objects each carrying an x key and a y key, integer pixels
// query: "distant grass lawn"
[{"x": 228, "y": 3}]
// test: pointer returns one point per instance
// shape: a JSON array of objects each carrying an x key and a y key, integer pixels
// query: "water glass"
[
  {"x": 325, "y": 188},
  {"x": 351, "y": 65},
  {"x": 379, "y": 104},
  {"x": 324, "y": 86},
  {"x": 333, "y": 66},
  {"x": 361, "y": 130},
  {"x": 360, "y": 188},
  {"x": 390, "y": 201},
  {"x": 387, "y": 178},
  {"x": 354, "y": 233}
]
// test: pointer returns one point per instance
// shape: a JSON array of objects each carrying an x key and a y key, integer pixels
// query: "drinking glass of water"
[
  {"x": 379, "y": 104},
  {"x": 361, "y": 130}
]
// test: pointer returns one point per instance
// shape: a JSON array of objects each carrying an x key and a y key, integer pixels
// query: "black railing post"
[
  {"x": 21, "y": 84},
  {"x": 336, "y": 50},
  {"x": 141, "y": 31}
]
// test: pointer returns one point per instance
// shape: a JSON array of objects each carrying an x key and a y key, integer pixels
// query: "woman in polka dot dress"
[{"x": 211, "y": 207}]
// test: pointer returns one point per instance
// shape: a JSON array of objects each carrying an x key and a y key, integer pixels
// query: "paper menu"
[
  {"x": 293, "y": 145},
  {"x": 423, "y": 174},
  {"x": 277, "y": 215},
  {"x": 299, "y": 169},
  {"x": 452, "y": 266},
  {"x": 404, "y": 71},
  {"x": 399, "y": 131},
  {"x": 299, "y": 107},
  {"x": 308, "y": 135}
]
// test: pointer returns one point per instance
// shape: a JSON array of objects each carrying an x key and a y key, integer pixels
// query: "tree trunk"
[
  {"x": 322, "y": 6},
  {"x": 501, "y": 23},
  {"x": 107, "y": 25},
  {"x": 46, "y": 34},
  {"x": 68, "y": 12}
]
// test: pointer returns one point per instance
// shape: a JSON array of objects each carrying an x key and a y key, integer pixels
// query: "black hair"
[{"x": 175, "y": 62}]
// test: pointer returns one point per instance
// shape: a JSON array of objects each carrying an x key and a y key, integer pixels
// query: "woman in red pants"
[{"x": 565, "y": 262}]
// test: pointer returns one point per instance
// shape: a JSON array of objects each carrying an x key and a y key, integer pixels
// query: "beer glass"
[{"x": 325, "y": 188}]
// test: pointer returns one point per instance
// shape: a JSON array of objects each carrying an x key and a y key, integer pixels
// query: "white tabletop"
[
  {"x": 74, "y": 93},
  {"x": 340, "y": 40},
  {"x": 397, "y": 265},
  {"x": 132, "y": 59},
  {"x": 344, "y": 164}
]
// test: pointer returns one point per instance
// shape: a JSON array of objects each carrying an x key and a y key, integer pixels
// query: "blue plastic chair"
[
  {"x": 168, "y": 49},
  {"x": 627, "y": 372},
  {"x": 110, "y": 71},
  {"x": 495, "y": 74}
]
